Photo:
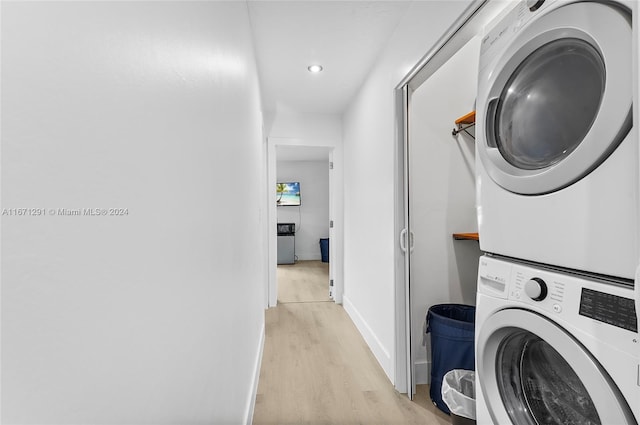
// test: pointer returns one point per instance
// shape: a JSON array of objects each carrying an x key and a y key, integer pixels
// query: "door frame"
[
  {"x": 635, "y": 8},
  {"x": 469, "y": 24},
  {"x": 335, "y": 214}
]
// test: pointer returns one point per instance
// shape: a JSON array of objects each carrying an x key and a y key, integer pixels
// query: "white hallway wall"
[
  {"x": 369, "y": 154},
  {"x": 312, "y": 217},
  {"x": 155, "y": 317}
]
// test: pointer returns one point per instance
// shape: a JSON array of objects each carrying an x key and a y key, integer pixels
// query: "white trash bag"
[{"x": 458, "y": 392}]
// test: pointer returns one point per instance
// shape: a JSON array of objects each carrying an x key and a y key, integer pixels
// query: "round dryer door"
[
  {"x": 560, "y": 99},
  {"x": 533, "y": 372}
]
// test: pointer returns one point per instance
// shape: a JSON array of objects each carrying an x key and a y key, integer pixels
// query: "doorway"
[
  {"x": 291, "y": 161},
  {"x": 442, "y": 197},
  {"x": 302, "y": 206}
]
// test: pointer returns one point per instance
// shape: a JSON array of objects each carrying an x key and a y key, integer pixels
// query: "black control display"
[{"x": 607, "y": 308}]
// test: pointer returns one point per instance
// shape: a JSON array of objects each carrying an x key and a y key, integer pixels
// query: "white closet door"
[{"x": 441, "y": 196}]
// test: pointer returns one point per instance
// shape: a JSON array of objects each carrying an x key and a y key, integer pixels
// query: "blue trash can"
[
  {"x": 452, "y": 328},
  {"x": 324, "y": 249}
]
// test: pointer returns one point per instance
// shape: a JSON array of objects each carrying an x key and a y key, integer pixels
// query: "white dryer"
[
  {"x": 554, "y": 348},
  {"x": 557, "y": 153}
]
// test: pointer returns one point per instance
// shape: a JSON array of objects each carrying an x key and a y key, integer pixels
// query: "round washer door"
[
  {"x": 560, "y": 99},
  {"x": 533, "y": 372}
]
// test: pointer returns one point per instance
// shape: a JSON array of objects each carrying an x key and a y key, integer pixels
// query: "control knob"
[{"x": 536, "y": 289}]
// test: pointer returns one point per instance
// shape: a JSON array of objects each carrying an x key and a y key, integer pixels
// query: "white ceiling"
[{"x": 345, "y": 37}]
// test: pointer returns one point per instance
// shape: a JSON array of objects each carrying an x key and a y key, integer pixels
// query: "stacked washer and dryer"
[{"x": 558, "y": 193}]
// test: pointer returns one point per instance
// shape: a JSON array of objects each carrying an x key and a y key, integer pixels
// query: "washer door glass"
[
  {"x": 549, "y": 104},
  {"x": 539, "y": 387}
]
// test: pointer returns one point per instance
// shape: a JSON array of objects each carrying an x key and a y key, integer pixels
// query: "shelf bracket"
[
  {"x": 461, "y": 129},
  {"x": 468, "y": 119}
]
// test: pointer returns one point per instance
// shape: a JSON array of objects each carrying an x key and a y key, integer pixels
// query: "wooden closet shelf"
[
  {"x": 466, "y": 236},
  {"x": 464, "y": 123},
  {"x": 469, "y": 118}
]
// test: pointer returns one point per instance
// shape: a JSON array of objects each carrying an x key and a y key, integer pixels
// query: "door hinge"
[
  {"x": 330, "y": 224},
  {"x": 331, "y": 165},
  {"x": 331, "y": 282}
]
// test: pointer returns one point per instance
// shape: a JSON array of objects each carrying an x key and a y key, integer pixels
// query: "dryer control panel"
[{"x": 497, "y": 33}]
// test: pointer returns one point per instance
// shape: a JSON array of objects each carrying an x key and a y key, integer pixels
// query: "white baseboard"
[
  {"x": 423, "y": 372},
  {"x": 251, "y": 402},
  {"x": 378, "y": 349}
]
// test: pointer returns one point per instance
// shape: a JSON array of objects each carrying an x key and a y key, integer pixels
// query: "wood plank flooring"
[
  {"x": 303, "y": 282},
  {"x": 317, "y": 369}
]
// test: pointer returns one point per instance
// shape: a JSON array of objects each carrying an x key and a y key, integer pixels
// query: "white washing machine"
[
  {"x": 557, "y": 153},
  {"x": 554, "y": 348}
]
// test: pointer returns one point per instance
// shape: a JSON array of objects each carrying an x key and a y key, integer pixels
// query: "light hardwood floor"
[
  {"x": 317, "y": 369},
  {"x": 305, "y": 281}
]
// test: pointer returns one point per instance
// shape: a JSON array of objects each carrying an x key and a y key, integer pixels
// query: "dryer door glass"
[
  {"x": 538, "y": 386},
  {"x": 549, "y": 104}
]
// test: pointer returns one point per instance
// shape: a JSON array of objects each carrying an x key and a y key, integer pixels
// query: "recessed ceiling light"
[{"x": 314, "y": 68}]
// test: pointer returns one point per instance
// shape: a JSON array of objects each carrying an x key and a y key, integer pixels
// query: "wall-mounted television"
[{"x": 288, "y": 194}]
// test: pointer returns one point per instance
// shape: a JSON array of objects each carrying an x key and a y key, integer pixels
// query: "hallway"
[{"x": 317, "y": 369}]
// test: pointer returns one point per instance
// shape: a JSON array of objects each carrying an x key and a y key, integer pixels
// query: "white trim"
[
  {"x": 272, "y": 219},
  {"x": 402, "y": 373},
  {"x": 416, "y": 76},
  {"x": 251, "y": 402},
  {"x": 636, "y": 122},
  {"x": 332, "y": 242},
  {"x": 372, "y": 340}
]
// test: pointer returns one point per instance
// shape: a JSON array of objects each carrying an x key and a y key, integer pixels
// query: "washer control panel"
[
  {"x": 540, "y": 288},
  {"x": 560, "y": 294},
  {"x": 609, "y": 308}
]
